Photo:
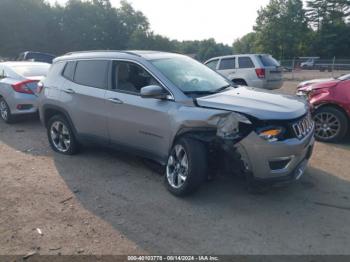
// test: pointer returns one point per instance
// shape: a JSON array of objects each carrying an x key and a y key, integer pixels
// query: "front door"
[{"x": 142, "y": 124}]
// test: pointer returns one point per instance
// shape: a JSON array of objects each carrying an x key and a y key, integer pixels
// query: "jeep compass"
[{"x": 174, "y": 110}]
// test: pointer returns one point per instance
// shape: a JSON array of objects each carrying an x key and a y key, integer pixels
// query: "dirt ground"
[{"x": 105, "y": 202}]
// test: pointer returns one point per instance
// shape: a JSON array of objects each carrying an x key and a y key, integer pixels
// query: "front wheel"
[
  {"x": 186, "y": 168},
  {"x": 331, "y": 124}
]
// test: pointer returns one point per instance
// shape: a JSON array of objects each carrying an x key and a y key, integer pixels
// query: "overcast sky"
[{"x": 224, "y": 20}]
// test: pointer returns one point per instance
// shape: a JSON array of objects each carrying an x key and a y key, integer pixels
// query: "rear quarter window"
[
  {"x": 268, "y": 60},
  {"x": 68, "y": 71},
  {"x": 245, "y": 62},
  {"x": 92, "y": 73}
]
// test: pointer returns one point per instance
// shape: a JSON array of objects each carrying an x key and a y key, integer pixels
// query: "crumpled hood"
[
  {"x": 314, "y": 81},
  {"x": 259, "y": 103},
  {"x": 325, "y": 84}
]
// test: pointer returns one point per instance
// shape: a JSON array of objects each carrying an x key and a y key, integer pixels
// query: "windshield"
[
  {"x": 344, "y": 77},
  {"x": 31, "y": 70},
  {"x": 191, "y": 76}
]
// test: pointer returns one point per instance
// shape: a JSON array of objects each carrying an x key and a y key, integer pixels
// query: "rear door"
[
  {"x": 227, "y": 67},
  {"x": 83, "y": 96},
  {"x": 247, "y": 70}
]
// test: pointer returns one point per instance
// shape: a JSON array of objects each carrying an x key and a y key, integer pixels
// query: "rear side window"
[
  {"x": 268, "y": 60},
  {"x": 92, "y": 73},
  {"x": 68, "y": 71},
  {"x": 227, "y": 63},
  {"x": 245, "y": 62},
  {"x": 212, "y": 64}
]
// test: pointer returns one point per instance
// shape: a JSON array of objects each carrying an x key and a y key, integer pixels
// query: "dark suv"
[{"x": 36, "y": 57}]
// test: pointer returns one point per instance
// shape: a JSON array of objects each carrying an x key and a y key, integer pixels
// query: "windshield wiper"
[
  {"x": 222, "y": 88},
  {"x": 198, "y": 92}
]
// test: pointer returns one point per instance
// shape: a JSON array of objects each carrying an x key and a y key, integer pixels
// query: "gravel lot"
[{"x": 105, "y": 202}]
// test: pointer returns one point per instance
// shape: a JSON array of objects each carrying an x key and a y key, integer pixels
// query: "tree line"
[
  {"x": 284, "y": 28},
  {"x": 287, "y": 29},
  {"x": 87, "y": 25}
]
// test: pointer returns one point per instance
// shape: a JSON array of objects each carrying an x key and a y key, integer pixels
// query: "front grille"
[{"x": 303, "y": 127}]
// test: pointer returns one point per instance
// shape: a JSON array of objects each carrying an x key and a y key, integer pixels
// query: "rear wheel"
[
  {"x": 240, "y": 82},
  {"x": 5, "y": 112},
  {"x": 61, "y": 136},
  {"x": 187, "y": 166},
  {"x": 331, "y": 124}
]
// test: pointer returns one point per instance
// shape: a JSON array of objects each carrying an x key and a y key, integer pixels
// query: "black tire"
[
  {"x": 197, "y": 166},
  {"x": 73, "y": 147},
  {"x": 240, "y": 82},
  {"x": 339, "y": 116},
  {"x": 7, "y": 117}
]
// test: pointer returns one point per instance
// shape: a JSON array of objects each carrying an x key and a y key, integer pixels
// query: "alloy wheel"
[
  {"x": 4, "y": 110},
  {"x": 177, "y": 167},
  {"x": 327, "y": 125},
  {"x": 60, "y": 136}
]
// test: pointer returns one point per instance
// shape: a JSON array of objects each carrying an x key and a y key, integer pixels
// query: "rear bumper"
[
  {"x": 22, "y": 103},
  {"x": 276, "y": 161},
  {"x": 266, "y": 84}
]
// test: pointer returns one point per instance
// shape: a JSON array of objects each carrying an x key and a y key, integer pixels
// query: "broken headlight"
[
  {"x": 271, "y": 134},
  {"x": 233, "y": 126}
]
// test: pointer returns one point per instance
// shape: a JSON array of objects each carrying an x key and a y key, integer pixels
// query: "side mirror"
[{"x": 154, "y": 91}]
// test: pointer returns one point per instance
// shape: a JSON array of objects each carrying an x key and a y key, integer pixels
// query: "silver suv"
[
  {"x": 256, "y": 70},
  {"x": 176, "y": 111}
]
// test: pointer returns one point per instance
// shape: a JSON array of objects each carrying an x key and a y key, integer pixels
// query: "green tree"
[
  {"x": 330, "y": 19},
  {"x": 245, "y": 44},
  {"x": 281, "y": 29}
]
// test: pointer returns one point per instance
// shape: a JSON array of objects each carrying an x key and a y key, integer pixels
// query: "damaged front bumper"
[{"x": 277, "y": 161}]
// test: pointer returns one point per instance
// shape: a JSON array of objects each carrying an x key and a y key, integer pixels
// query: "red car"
[{"x": 331, "y": 101}]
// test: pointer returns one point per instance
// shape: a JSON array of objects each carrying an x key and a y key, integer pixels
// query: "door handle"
[
  {"x": 69, "y": 91},
  {"x": 115, "y": 100}
]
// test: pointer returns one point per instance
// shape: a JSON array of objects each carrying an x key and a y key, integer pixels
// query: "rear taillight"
[
  {"x": 260, "y": 72},
  {"x": 22, "y": 87}
]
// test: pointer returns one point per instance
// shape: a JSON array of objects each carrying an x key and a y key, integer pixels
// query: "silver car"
[
  {"x": 18, "y": 88},
  {"x": 256, "y": 70},
  {"x": 174, "y": 110}
]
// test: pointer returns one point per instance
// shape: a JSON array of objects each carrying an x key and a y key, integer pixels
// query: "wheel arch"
[
  {"x": 52, "y": 110},
  {"x": 335, "y": 106},
  {"x": 239, "y": 79}
]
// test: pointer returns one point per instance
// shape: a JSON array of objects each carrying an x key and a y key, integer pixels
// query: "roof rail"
[{"x": 102, "y": 51}]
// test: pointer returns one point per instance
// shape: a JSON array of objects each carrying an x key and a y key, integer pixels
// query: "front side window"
[
  {"x": 93, "y": 73},
  {"x": 212, "y": 64},
  {"x": 130, "y": 78},
  {"x": 189, "y": 75},
  {"x": 227, "y": 63},
  {"x": 245, "y": 62}
]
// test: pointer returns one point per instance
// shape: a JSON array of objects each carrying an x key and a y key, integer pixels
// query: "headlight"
[
  {"x": 271, "y": 134},
  {"x": 231, "y": 126}
]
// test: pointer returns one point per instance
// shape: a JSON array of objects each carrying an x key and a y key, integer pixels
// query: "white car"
[{"x": 255, "y": 70}]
